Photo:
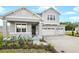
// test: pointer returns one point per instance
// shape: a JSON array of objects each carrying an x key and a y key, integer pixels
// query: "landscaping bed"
[{"x": 21, "y": 44}]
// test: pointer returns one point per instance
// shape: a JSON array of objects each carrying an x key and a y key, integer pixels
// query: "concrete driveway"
[{"x": 68, "y": 44}]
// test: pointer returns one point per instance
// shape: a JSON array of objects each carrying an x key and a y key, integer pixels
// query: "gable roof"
[
  {"x": 22, "y": 8},
  {"x": 51, "y": 9},
  {"x": 37, "y": 14}
]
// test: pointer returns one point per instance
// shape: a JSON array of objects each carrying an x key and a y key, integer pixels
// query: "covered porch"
[{"x": 23, "y": 27}]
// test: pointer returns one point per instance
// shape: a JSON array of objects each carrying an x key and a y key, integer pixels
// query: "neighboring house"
[{"x": 23, "y": 21}]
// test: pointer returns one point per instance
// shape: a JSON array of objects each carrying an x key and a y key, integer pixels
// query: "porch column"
[
  {"x": 40, "y": 29},
  {"x": 4, "y": 28}
]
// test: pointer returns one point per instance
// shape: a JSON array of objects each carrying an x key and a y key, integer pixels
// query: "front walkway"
[{"x": 64, "y": 43}]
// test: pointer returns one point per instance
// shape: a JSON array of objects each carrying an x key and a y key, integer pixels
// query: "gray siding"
[
  {"x": 1, "y": 29},
  {"x": 12, "y": 27}
]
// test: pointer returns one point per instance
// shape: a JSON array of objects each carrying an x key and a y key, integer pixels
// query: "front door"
[{"x": 33, "y": 30}]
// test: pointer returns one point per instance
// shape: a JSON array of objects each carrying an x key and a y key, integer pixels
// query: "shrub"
[
  {"x": 77, "y": 35},
  {"x": 16, "y": 45},
  {"x": 26, "y": 47},
  {"x": 1, "y": 38},
  {"x": 49, "y": 47},
  {"x": 21, "y": 43},
  {"x": 18, "y": 42},
  {"x": 14, "y": 38},
  {"x": 41, "y": 46},
  {"x": 30, "y": 42},
  {"x": 0, "y": 45},
  {"x": 42, "y": 40},
  {"x": 9, "y": 46},
  {"x": 8, "y": 36},
  {"x": 72, "y": 32},
  {"x": 35, "y": 46},
  {"x": 77, "y": 32}
]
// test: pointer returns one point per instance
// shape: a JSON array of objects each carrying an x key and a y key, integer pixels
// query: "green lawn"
[
  {"x": 70, "y": 33},
  {"x": 24, "y": 51}
]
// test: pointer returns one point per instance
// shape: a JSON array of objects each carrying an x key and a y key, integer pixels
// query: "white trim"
[
  {"x": 50, "y": 9},
  {"x": 8, "y": 13},
  {"x": 21, "y": 29}
]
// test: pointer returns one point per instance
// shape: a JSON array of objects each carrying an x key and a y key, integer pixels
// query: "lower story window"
[
  {"x": 20, "y": 27},
  {"x": 18, "y": 30},
  {"x": 23, "y": 27}
]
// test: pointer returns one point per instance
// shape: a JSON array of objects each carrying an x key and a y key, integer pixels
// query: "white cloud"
[
  {"x": 44, "y": 8},
  {"x": 69, "y": 12},
  {"x": 74, "y": 18},
  {"x": 76, "y": 9},
  {"x": 1, "y": 9}
]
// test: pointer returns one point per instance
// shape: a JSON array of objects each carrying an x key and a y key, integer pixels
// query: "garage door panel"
[
  {"x": 48, "y": 32},
  {"x": 60, "y": 31},
  {"x": 53, "y": 30}
]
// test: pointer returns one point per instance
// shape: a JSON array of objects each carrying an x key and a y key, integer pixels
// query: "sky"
[{"x": 68, "y": 13}]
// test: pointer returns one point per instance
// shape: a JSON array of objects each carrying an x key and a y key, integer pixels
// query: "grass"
[
  {"x": 24, "y": 51},
  {"x": 70, "y": 33},
  {"x": 7, "y": 51}
]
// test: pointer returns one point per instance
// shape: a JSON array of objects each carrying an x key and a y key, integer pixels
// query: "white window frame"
[
  {"x": 49, "y": 16},
  {"x": 21, "y": 28}
]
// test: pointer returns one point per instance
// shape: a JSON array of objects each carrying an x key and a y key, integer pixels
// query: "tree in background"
[{"x": 69, "y": 26}]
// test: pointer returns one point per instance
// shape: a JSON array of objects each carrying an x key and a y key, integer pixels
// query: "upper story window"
[
  {"x": 51, "y": 17},
  {"x": 48, "y": 17}
]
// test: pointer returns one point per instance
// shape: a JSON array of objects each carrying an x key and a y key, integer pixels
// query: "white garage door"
[
  {"x": 48, "y": 31},
  {"x": 53, "y": 30},
  {"x": 60, "y": 31}
]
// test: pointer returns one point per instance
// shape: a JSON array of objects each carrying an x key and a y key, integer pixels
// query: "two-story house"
[{"x": 23, "y": 21}]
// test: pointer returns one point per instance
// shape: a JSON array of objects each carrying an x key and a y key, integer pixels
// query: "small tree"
[
  {"x": 77, "y": 32},
  {"x": 72, "y": 32}
]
